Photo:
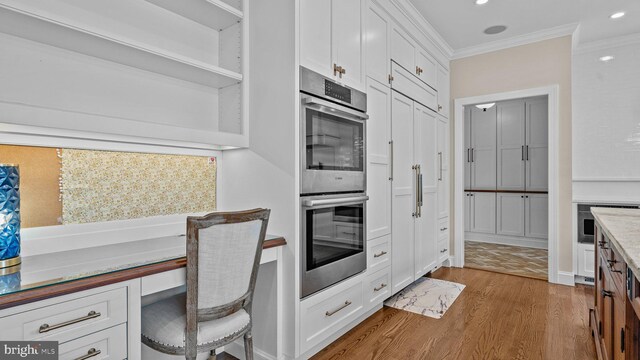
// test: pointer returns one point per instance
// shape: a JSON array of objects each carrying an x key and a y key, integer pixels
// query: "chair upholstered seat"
[{"x": 164, "y": 324}]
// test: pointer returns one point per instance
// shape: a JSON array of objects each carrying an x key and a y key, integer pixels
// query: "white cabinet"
[
  {"x": 426, "y": 68},
  {"x": 443, "y": 167},
  {"x": 510, "y": 214},
  {"x": 481, "y": 153},
  {"x": 378, "y": 159},
  {"x": 586, "y": 260},
  {"x": 482, "y": 214},
  {"x": 443, "y": 87},
  {"x": 409, "y": 85},
  {"x": 403, "y": 50},
  {"x": 377, "y": 38},
  {"x": 536, "y": 212},
  {"x": 443, "y": 240},
  {"x": 414, "y": 243},
  {"x": 511, "y": 149},
  {"x": 331, "y": 41},
  {"x": 467, "y": 146},
  {"x": 536, "y": 144},
  {"x": 468, "y": 198}
]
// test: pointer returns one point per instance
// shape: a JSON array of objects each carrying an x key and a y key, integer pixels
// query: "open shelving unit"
[{"x": 60, "y": 24}]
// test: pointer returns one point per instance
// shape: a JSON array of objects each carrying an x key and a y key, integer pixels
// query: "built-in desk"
[{"x": 110, "y": 281}]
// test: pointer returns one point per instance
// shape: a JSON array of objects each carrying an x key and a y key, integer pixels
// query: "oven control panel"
[{"x": 337, "y": 91}]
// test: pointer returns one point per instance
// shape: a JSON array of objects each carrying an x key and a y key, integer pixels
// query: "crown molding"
[
  {"x": 410, "y": 11},
  {"x": 533, "y": 37},
  {"x": 609, "y": 43}
]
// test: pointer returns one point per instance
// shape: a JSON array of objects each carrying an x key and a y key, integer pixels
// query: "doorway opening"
[{"x": 505, "y": 183}]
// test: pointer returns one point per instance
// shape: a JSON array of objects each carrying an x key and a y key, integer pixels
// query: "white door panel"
[
  {"x": 467, "y": 147},
  {"x": 403, "y": 49},
  {"x": 443, "y": 88},
  {"x": 536, "y": 215},
  {"x": 378, "y": 170},
  {"x": 484, "y": 213},
  {"x": 511, "y": 135},
  {"x": 429, "y": 68},
  {"x": 537, "y": 144},
  {"x": 315, "y": 36},
  {"x": 347, "y": 40},
  {"x": 468, "y": 199},
  {"x": 483, "y": 148},
  {"x": 510, "y": 214},
  {"x": 377, "y": 45},
  {"x": 443, "y": 168}
]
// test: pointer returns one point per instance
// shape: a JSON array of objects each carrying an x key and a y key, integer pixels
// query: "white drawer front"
[
  {"x": 443, "y": 228},
  {"x": 377, "y": 288},
  {"x": 379, "y": 253},
  {"x": 443, "y": 250},
  {"x": 324, "y": 314},
  {"x": 106, "y": 344},
  {"x": 68, "y": 320}
]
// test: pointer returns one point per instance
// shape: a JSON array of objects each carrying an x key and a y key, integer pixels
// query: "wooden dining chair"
[{"x": 223, "y": 258}]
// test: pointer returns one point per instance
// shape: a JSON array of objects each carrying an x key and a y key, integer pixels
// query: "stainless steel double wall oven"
[{"x": 332, "y": 181}]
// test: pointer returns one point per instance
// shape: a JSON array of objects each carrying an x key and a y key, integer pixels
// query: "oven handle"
[
  {"x": 333, "y": 109},
  {"x": 320, "y": 202}
]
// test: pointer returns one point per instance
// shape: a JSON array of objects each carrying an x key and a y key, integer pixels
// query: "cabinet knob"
[
  {"x": 439, "y": 107},
  {"x": 606, "y": 293}
]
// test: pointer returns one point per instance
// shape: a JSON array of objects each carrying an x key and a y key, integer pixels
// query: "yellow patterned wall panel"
[{"x": 103, "y": 186}]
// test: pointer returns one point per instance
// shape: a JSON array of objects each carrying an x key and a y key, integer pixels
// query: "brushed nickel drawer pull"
[
  {"x": 443, "y": 229},
  {"x": 382, "y": 286},
  {"x": 46, "y": 327},
  {"x": 91, "y": 353},
  {"x": 381, "y": 253},
  {"x": 330, "y": 313},
  {"x": 444, "y": 250},
  {"x": 349, "y": 233}
]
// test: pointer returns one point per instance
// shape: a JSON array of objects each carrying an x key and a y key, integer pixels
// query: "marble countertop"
[
  {"x": 67, "y": 266},
  {"x": 622, "y": 227}
]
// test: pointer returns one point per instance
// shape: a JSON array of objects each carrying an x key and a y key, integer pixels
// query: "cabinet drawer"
[
  {"x": 106, "y": 344},
  {"x": 443, "y": 250},
  {"x": 377, "y": 288},
  {"x": 324, "y": 314},
  {"x": 68, "y": 320},
  {"x": 379, "y": 253},
  {"x": 618, "y": 270},
  {"x": 443, "y": 228}
]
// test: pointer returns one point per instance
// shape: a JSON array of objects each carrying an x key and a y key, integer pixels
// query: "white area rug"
[{"x": 426, "y": 296}]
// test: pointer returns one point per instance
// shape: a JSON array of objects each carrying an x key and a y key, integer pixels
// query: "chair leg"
[{"x": 248, "y": 346}]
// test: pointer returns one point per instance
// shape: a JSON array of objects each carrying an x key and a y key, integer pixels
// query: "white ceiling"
[{"x": 461, "y": 22}]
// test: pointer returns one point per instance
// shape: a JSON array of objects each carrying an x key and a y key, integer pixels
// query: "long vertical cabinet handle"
[
  {"x": 473, "y": 157},
  {"x": 440, "y": 160},
  {"x": 522, "y": 151},
  {"x": 527, "y": 152},
  {"x": 417, "y": 194},
  {"x": 468, "y": 155},
  {"x": 391, "y": 159},
  {"x": 420, "y": 191}
]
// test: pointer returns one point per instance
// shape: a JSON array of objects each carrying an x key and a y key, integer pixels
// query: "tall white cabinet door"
[
  {"x": 443, "y": 167},
  {"x": 468, "y": 199},
  {"x": 537, "y": 144},
  {"x": 428, "y": 68},
  {"x": 378, "y": 160},
  {"x": 483, "y": 149},
  {"x": 315, "y": 36},
  {"x": 444, "y": 88},
  {"x": 510, "y": 214},
  {"x": 467, "y": 147},
  {"x": 425, "y": 155},
  {"x": 348, "y": 41},
  {"x": 403, "y": 203},
  {"x": 511, "y": 150},
  {"x": 536, "y": 213},
  {"x": 403, "y": 50},
  {"x": 483, "y": 213},
  {"x": 377, "y": 45}
]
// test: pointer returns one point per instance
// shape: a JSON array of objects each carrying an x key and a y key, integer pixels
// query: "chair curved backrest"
[{"x": 223, "y": 257}]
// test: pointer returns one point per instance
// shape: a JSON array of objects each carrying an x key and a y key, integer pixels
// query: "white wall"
[{"x": 606, "y": 121}]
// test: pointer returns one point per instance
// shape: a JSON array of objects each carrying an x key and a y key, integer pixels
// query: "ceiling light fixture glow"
[
  {"x": 617, "y": 15},
  {"x": 481, "y": 2},
  {"x": 606, "y": 58},
  {"x": 484, "y": 107}
]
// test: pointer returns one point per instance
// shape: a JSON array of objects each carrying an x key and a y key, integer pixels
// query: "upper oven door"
[{"x": 333, "y": 147}]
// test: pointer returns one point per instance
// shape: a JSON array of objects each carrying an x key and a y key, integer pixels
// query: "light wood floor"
[
  {"x": 507, "y": 259},
  {"x": 497, "y": 316}
]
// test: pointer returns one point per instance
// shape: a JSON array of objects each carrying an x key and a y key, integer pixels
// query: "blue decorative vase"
[{"x": 9, "y": 215}]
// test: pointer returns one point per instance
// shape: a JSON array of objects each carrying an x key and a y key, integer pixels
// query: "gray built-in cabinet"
[{"x": 507, "y": 153}]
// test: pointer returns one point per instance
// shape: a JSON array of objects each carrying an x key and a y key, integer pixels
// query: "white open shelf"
[
  {"x": 214, "y": 14},
  {"x": 124, "y": 51}
]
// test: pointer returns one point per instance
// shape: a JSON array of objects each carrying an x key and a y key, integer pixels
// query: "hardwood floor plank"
[{"x": 497, "y": 316}]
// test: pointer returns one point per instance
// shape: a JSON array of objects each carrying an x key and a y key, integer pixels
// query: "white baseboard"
[
  {"x": 566, "y": 278},
  {"x": 507, "y": 240}
]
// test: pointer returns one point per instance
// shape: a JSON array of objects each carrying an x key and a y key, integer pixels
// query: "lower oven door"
[{"x": 333, "y": 240}]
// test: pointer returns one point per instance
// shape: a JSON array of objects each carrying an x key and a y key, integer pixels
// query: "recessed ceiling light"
[
  {"x": 617, "y": 15},
  {"x": 606, "y": 58},
  {"x": 497, "y": 29},
  {"x": 484, "y": 107},
  {"x": 481, "y": 2}
]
